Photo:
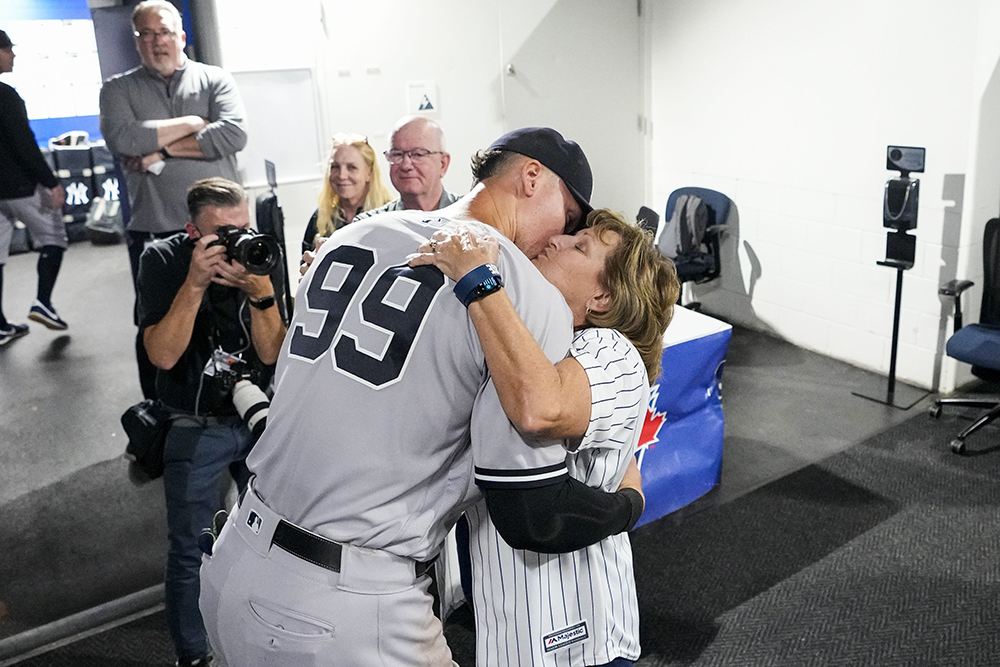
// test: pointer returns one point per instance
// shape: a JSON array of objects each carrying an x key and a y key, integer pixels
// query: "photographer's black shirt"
[{"x": 162, "y": 271}]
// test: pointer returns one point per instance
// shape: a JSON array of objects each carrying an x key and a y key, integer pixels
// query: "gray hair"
[{"x": 156, "y": 5}]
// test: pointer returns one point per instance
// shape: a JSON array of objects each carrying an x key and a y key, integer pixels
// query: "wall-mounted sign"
[{"x": 422, "y": 98}]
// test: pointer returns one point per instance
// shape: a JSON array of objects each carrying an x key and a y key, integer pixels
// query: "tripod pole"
[{"x": 895, "y": 334}]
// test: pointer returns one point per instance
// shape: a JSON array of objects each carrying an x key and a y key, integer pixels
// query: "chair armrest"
[
  {"x": 955, "y": 287},
  {"x": 714, "y": 230}
]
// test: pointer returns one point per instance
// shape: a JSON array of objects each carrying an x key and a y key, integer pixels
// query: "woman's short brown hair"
[{"x": 643, "y": 286}]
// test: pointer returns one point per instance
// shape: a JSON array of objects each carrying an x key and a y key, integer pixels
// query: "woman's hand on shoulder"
[{"x": 456, "y": 251}]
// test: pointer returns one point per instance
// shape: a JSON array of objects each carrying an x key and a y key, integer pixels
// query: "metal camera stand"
[{"x": 899, "y": 213}]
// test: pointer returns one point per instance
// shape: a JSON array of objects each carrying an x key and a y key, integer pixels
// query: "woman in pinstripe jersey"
[{"x": 576, "y": 609}]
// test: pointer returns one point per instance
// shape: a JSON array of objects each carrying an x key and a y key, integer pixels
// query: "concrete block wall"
[{"x": 788, "y": 108}]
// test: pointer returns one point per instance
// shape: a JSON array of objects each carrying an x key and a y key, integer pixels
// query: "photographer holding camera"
[{"x": 207, "y": 322}]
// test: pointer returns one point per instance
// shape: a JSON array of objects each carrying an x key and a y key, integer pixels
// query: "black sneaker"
[
  {"x": 12, "y": 331},
  {"x": 46, "y": 315},
  {"x": 195, "y": 662}
]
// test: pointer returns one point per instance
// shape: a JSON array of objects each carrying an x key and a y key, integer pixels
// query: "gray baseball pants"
[
  {"x": 44, "y": 224},
  {"x": 264, "y": 606}
]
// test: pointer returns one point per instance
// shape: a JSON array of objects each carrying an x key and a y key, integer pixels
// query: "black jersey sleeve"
[{"x": 560, "y": 517}]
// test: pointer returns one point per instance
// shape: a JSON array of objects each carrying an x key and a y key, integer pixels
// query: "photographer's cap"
[
  {"x": 565, "y": 158},
  {"x": 5, "y": 42}
]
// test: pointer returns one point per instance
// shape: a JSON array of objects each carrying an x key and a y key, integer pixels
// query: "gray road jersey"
[{"x": 368, "y": 436}]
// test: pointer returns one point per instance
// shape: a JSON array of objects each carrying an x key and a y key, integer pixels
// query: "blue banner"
[{"x": 680, "y": 449}]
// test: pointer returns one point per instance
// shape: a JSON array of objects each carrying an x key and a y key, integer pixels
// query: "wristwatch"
[
  {"x": 477, "y": 283},
  {"x": 163, "y": 153},
  {"x": 263, "y": 304}
]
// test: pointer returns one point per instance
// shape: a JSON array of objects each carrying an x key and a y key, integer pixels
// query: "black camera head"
[{"x": 905, "y": 159}]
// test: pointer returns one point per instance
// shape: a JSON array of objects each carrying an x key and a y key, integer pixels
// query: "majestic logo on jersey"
[
  {"x": 565, "y": 637},
  {"x": 650, "y": 434}
]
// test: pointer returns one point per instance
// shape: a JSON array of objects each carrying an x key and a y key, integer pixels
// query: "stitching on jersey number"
[{"x": 402, "y": 324}]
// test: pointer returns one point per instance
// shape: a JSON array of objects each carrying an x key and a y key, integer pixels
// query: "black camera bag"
[{"x": 146, "y": 425}]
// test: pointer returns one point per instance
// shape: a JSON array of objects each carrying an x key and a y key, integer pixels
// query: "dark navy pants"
[{"x": 195, "y": 462}]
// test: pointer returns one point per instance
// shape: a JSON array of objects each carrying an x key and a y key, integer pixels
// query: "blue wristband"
[{"x": 477, "y": 283}]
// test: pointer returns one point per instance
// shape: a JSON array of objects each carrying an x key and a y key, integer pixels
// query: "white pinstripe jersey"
[{"x": 580, "y": 608}]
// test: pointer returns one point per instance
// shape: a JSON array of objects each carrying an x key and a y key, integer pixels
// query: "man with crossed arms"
[{"x": 384, "y": 415}]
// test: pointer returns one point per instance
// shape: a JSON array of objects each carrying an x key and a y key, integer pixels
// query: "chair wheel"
[
  {"x": 935, "y": 411},
  {"x": 958, "y": 446}
]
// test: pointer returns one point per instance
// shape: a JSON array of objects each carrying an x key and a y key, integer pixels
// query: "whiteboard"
[{"x": 281, "y": 125}]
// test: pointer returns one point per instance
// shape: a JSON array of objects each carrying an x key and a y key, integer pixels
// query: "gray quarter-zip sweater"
[{"x": 130, "y": 101}]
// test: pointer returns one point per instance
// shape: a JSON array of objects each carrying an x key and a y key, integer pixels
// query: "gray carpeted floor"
[
  {"x": 76, "y": 533},
  {"x": 885, "y": 554}
]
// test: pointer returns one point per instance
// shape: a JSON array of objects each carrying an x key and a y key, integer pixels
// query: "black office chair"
[
  {"x": 977, "y": 344},
  {"x": 701, "y": 261},
  {"x": 648, "y": 219},
  {"x": 271, "y": 220}
]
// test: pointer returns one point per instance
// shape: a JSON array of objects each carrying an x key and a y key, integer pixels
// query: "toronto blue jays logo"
[{"x": 651, "y": 426}]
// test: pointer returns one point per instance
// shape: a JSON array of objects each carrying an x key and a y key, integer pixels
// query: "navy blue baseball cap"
[
  {"x": 565, "y": 158},
  {"x": 5, "y": 42}
]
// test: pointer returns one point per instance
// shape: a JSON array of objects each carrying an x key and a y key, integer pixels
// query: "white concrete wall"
[
  {"x": 363, "y": 55},
  {"x": 788, "y": 107}
]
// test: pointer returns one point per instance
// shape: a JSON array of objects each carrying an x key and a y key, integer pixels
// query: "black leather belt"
[
  {"x": 307, "y": 546},
  {"x": 317, "y": 550}
]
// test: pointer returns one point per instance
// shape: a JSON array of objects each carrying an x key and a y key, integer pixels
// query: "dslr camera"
[
  {"x": 259, "y": 253},
  {"x": 231, "y": 373}
]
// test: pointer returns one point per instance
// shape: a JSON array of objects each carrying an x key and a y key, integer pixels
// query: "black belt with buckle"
[{"x": 318, "y": 550}]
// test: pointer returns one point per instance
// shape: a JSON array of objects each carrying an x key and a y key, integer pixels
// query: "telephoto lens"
[{"x": 252, "y": 405}]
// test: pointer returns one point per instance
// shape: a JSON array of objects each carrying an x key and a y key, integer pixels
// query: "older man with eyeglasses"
[
  {"x": 171, "y": 121},
  {"x": 417, "y": 163}
]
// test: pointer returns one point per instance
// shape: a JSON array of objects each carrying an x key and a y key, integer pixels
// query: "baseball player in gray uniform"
[
  {"x": 574, "y": 609},
  {"x": 383, "y": 407}
]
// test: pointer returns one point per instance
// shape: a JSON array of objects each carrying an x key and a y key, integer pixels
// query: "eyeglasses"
[
  {"x": 417, "y": 154},
  {"x": 152, "y": 35}
]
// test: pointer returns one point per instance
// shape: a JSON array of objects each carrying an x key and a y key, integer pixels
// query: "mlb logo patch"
[
  {"x": 565, "y": 637},
  {"x": 254, "y": 522}
]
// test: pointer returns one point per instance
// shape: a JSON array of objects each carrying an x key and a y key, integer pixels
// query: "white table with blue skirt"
[{"x": 680, "y": 450}]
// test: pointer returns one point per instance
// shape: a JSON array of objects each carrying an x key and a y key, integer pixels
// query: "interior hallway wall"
[
  {"x": 364, "y": 55},
  {"x": 788, "y": 107}
]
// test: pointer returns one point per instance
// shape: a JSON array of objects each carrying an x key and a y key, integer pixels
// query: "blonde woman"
[{"x": 353, "y": 184}]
